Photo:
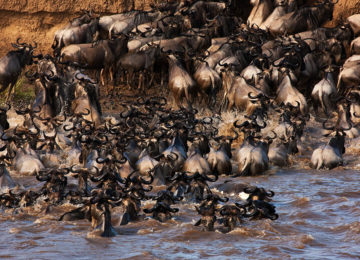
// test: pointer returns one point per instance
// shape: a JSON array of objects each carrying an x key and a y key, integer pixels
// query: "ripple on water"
[
  {"x": 318, "y": 218},
  {"x": 301, "y": 202}
]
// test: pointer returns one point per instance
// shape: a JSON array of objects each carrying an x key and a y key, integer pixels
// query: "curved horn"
[
  {"x": 23, "y": 112},
  {"x": 102, "y": 161},
  {"x": 244, "y": 124},
  {"x": 84, "y": 113},
  {"x": 18, "y": 42},
  {"x": 149, "y": 210},
  {"x": 149, "y": 181},
  {"x": 270, "y": 193},
  {"x": 206, "y": 177},
  {"x": 222, "y": 212},
  {"x": 172, "y": 156},
  {"x": 68, "y": 129},
  {"x": 347, "y": 129},
  {"x": 356, "y": 115},
  {"x": 254, "y": 97},
  {"x": 73, "y": 170},
  {"x": 98, "y": 178},
  {"x": 233, "y": 138},
  {"x": 275, "y": 135}
]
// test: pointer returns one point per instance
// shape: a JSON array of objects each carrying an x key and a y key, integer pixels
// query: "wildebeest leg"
[
  {"x": 108, "y": 230},
  {"x": 327, "y": 104},
  {"x": 4, "y": 86},
  {"x": 112, "y": 79},
  {"x": 189, "y": 105},
  {"x": 141, "y": 80},
  {"x": 315, "y": 106},
  {"x": 98, "y": 75},
  {"x": 125, "y": 219},
  {"x": 9, "y": 96},
  {"x": 223, "y": 102},
  {"x": 230, "y": 103},
  {"x": 152, "y": 75},
  {"x": 102, "y": 77},
  {"x": 130, "y": 74},
  {"x": 162, "y": 81},
  {"x": 124, "y": 77},
  {"x": 111, "y": 84},
  {"x": 111, "y": 74},
  {"x": 187, "y": 99}
]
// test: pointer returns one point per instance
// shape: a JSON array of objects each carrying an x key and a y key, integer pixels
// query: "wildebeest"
[
  {"x": 100, "y": 55},
  {"x": 50, "y": 99},
  {"x": 180, "y": 83},
  {"x": 305, "y": 18},
  {"x": 355, "y": 46},
  {"x": 260, "y": 11},
  {"x": 252, "y": 158},
  {"x": 85, "y": 30},
  {"x": 5, "y": 179},
  {"x": 287, "y": 93},
  {"x": 323, "y": 91},
  {"x": 349, "y": 74},
  {"x": 86, "y": 100},
  {"x": 330, "y": 155},
  {"x": 354, "y": 22},
  {"x": 128, "y": 24},
  {"x": 141, "y": 62},
  {"x": 199, "y": 11},
  {"x": 12, "y": 64}
]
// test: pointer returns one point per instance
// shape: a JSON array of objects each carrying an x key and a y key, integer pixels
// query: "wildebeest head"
[
  {"x": 47, "y": 65},
  {"x": 119, "y": 45},
  {"x": 86, "y": 17},
  {"x": 26, "y": 52},
  {"x": 5, "y": 178},
  {"x": 4, "y": 124},
  {"x": 50, "y": 94},
  {"x": 256, "y": 193},
  {"x": 338, "y": 141},
  {"x": 86, "y": 100}
]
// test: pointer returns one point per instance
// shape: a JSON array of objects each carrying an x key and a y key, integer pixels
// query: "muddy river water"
[{"x": 319, "y": 218}]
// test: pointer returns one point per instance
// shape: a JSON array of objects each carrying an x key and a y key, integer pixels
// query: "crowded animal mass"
[{"x": 179, "y": 116}]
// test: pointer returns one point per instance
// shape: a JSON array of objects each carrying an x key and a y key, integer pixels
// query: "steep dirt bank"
[{"x": 39, "y": 19}]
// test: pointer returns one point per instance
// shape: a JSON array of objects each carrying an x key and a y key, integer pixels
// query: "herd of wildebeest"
[{"x": 277, "y": 66}]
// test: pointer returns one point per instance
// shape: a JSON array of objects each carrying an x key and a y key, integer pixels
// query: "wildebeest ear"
[{"x": 15, "y": 45}]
